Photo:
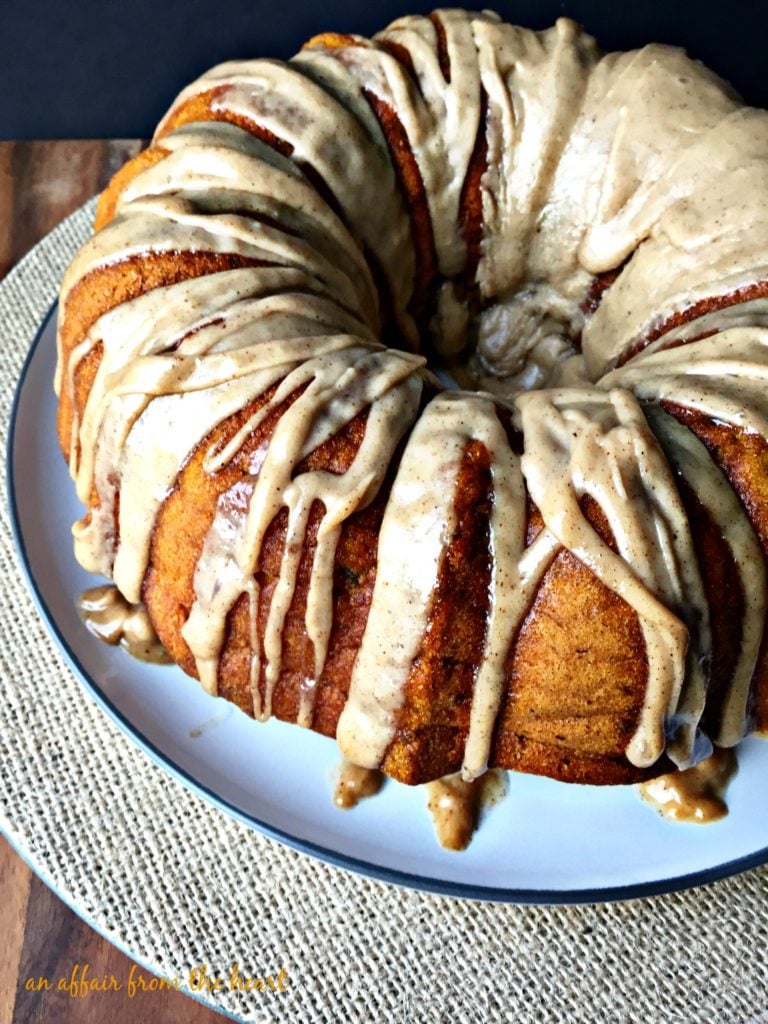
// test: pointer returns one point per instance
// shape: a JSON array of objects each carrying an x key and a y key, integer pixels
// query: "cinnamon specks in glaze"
[{"x": 354, "y": 784}]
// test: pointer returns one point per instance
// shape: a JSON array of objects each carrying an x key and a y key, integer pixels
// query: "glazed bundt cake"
[{"x": 559, "y": 568}]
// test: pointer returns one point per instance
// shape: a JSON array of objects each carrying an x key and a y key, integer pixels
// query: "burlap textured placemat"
[{"x": 179, "y": 884}]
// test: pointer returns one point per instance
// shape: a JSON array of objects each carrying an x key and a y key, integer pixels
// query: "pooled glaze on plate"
[
  {"x": 113, "y": 619},
  {"x": 696, "y": 795}
]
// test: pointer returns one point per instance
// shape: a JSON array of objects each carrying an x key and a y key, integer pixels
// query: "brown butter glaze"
[
  {"x": 456, "y": 805},
  {"x": 355, "y": 784},
  {"x": 695, "y": 795},
  {"x": 111, "y": 618}
]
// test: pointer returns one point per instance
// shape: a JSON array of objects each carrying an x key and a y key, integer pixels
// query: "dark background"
[{"x": 89, "y": 68}]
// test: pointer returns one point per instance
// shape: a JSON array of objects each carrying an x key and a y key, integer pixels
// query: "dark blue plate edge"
[{"x": 488, "y": 894}]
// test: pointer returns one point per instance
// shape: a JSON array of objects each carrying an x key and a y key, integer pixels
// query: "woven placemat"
[{"x": 179, "y": 884}]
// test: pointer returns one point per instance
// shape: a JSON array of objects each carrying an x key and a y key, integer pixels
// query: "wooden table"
[{"x": 40, "y": 184}]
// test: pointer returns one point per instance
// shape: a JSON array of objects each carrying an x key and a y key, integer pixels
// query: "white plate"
[{"x": 545, "y": 842}]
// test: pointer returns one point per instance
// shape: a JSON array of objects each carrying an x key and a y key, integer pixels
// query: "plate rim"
[{"x": 392, "y": 876}]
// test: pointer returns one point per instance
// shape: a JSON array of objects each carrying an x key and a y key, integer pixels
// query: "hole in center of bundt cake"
[{"x": 522, "y": 341}]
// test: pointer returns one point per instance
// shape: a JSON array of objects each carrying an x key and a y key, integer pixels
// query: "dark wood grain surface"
[{"x": 40, "y": 184}]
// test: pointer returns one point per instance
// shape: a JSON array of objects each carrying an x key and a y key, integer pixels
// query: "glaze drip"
[
  {"x": 456, "y": 805},
  {"x": 112, "y": 619},
  {"x": 594, "y": 443},
  {"x": 696, "y": 795},
  {"x": 355, "y": 784}
]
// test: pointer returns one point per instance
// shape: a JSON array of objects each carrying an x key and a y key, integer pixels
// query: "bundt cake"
[{"x": 416, "y": 387}]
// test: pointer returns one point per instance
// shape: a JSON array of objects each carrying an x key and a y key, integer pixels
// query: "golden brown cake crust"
[
  {"x": 571, "y": 724},
  {"x": 104, "y": 289},
  {"x": 743, "y": 457}
]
